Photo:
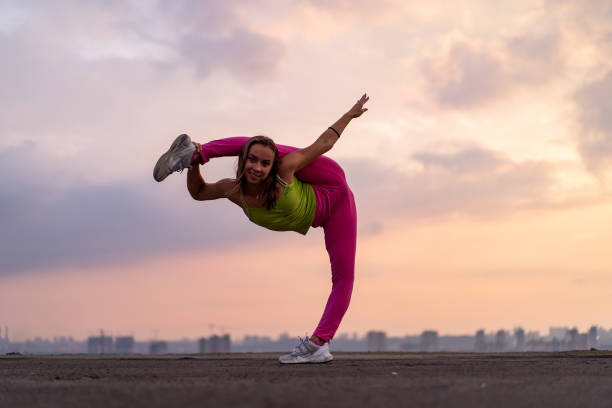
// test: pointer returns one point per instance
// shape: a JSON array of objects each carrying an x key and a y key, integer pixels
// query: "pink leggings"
[{"x": 335, "y": 212}]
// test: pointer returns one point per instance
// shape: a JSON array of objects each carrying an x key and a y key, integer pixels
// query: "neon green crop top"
[{"x": 294, "y": 210}]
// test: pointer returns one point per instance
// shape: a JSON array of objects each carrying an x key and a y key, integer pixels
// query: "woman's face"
[{"x": 258, "y": 163}]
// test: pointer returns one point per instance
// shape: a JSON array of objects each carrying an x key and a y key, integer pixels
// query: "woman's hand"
[
  {"x": 198, "y": 159},
  {"x": 358, "y": 108}
]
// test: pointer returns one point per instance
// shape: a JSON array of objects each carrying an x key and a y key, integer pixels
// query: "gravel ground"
[{"x": 569, "y": 379}]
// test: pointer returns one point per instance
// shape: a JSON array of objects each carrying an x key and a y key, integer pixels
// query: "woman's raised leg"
[{"x": 322, "y": 171}]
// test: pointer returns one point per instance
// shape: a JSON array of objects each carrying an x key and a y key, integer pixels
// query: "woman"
[{"x": 286, "y": 189}]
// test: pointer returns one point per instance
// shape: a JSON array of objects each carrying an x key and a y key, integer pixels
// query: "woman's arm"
[
  {"x": 298, "y": 159},
  {"x": 201, "y": 191}
]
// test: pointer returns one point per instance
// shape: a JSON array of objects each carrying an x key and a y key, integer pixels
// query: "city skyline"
[
  {"x": 550, "y": 332},
  {"x": 481, "y": 170},
  {"x": 517, "y": 340}
]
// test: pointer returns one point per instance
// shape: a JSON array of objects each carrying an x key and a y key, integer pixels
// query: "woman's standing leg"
[
  {"x": 337, "y": 214},
  {"x": 340, "y": 242}
]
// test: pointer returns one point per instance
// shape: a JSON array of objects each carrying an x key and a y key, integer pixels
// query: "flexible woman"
[{"x": 286, "y": 189}]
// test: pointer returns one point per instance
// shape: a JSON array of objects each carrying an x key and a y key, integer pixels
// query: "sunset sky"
[{"x": 482, "y": 170}]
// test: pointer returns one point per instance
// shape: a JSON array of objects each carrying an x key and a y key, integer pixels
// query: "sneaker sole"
[{"x": 317, "y": 361}]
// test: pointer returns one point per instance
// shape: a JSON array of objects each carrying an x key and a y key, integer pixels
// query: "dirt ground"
[{"x": 569, "y": 379}]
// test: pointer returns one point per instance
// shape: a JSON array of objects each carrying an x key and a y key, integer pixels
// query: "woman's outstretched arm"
[{"x": 297, "y": 160}]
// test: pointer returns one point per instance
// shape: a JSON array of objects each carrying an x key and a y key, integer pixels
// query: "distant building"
[
  {"x": 158, "y": 347},
  {"x": 572, "y": 338},
  {"x": 480, "y": 343},
  {"x": 100, "y": 344},
  {"x": 593, "y": 338},
  {"x": 377, "y": 340},
  {"x": 215, "y": 344},
  {"x": 500, "y": 341},
  {"x": 558, "y": 332},
  {"x": 124, "y": 345},
  {"x": 3, "y": 341},
  {"x": 555, "y": 344},
  {"x": 456, "y": 343},
  {"x": 519, "y": 339},
  {"x": 583, "y": 341},
  {"x": 430, "y": 341}
]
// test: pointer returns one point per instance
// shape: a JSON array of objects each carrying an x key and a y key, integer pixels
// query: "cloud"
[
  {"x": 464, "y": 76},
  {"x": 246, "y": 55},
  {"x": 213, "y": 35},
  {"x": 594, "y": 140},
  {"x": 207, "y": 36},
  {"x": 590, "y": 18},
  {"x": 47, "y": 223},
  {"x": 466, "y": 161},
  {"x": 462, "y": 71},
  {"x": 80, "y": 76},
  {"x": 341, "y": 8},
  {"x": 535, "y": 55},
  {"x": 467, "y": 180},
  {"x": 52, "y": 219}
]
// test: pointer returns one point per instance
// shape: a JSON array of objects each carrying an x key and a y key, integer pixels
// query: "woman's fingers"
[
  {"x": 363, "y": 100},
  {"x": 358, "y": 109}
]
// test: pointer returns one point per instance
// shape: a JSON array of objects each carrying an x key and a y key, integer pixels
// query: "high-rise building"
[
  {"x": 124, "y": 345},
  {"x": 583, "y": 341},
  {"x": 4, "y": 344},
  {"x": 202, "y": 345},
  {"x": 593, "y": 338},
  {"x": 215, "y": 344},
  {"x": 500, "y": 341},
  {"x": 100, "y": 344},
  {"x": 430, "y": 341},
  {"x": 377, "y": 340},
  {"x": 519, "y": 339},
  {"x": 158, "y": 347},
  {"x": 572, "y": 338},
  {"x": 558, "y": 332},
  {"x": 555, "y": 344},
  {"x": 480, "y": 343}
]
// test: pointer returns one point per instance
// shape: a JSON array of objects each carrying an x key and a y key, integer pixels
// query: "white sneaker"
[
  {"x": 177, "y": 158},
  {"x": 307, "y": 352}
]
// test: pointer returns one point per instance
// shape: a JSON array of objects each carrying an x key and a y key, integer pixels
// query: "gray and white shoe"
[
  {"x": 177, "y": 158},
  {"x": 306, "y": 352}
]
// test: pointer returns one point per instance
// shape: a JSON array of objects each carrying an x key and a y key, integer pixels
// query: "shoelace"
[
  {"x": 180, "y": 168},
  {"x": 301, "y": 348}
]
